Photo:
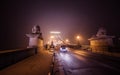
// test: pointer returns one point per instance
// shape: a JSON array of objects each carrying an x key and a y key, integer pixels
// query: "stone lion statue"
[{"x": 36, "y": 29}]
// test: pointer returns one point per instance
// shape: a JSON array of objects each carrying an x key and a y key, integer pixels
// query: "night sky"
[{"x": 70, "y": 17}]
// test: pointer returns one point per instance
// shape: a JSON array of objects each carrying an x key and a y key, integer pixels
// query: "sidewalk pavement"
[{"x": 38, "y": 64}]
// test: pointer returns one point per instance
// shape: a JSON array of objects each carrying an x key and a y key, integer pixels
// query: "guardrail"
[{"x": 9, "y": 57}]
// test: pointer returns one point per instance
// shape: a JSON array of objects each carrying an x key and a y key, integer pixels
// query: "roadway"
[{"x": 77, "y": 62}]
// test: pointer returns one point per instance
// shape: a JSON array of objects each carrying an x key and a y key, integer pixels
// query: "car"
[{"x": 63, "y": 48}]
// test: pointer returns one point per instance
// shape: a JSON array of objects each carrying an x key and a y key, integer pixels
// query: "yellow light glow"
[
  {"x": 48, "y": 42},
  {"x": 51, "y": 37},
  {"x": 67, "y": 40},
  {"x": 78, "y": 37}
]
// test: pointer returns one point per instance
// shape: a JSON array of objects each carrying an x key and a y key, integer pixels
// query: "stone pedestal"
[
  {"x": 101, "y": 41},
  {"x": 35, "y": 38}
]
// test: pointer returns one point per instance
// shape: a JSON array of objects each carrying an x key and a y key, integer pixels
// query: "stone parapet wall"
[{"x": 9, "y": 57}]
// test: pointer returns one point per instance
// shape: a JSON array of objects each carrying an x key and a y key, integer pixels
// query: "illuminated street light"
[
  {"x": 52, "y": 41},
  {"x": 78, "y": 39},
  {"x": 67, "y": 41},
  {"x": 51, "y": 37},
  {"x": 48, "y": 42}
]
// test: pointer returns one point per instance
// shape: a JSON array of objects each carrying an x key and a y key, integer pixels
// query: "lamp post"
[
  {"x": 67, "y": 41},
  {"x": 78, "y": 39},
  {"x": 52, "y": 37}
]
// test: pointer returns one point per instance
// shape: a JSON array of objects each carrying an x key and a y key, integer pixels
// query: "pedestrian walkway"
[{"x": 38, "y": 64}]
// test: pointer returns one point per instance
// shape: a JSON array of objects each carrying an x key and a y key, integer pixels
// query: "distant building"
[
  {"x": 101, "y": 41},
  {"x": 35, "y": 38}
]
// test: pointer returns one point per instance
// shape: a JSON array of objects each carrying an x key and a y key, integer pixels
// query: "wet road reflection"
[{"x": 75, "y": 64}]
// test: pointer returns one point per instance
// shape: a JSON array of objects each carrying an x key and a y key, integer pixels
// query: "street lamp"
[
  {"x": 52, "y": 37},
  {"x": 78, "y": 39},
  {"x": 67, "y": 41}
]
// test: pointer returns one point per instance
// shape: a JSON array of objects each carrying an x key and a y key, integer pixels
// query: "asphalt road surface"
[{"x": 86, "y": 63}]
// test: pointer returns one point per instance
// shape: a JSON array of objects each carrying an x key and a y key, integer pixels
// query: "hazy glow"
[
  {"x": 78, "y": 37},
  {"x": 55, "y": 32},
  {"x": 48, "y": 42},
  {"x": 67, "y": 40},
  {"x": 51, "y": 37}
]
